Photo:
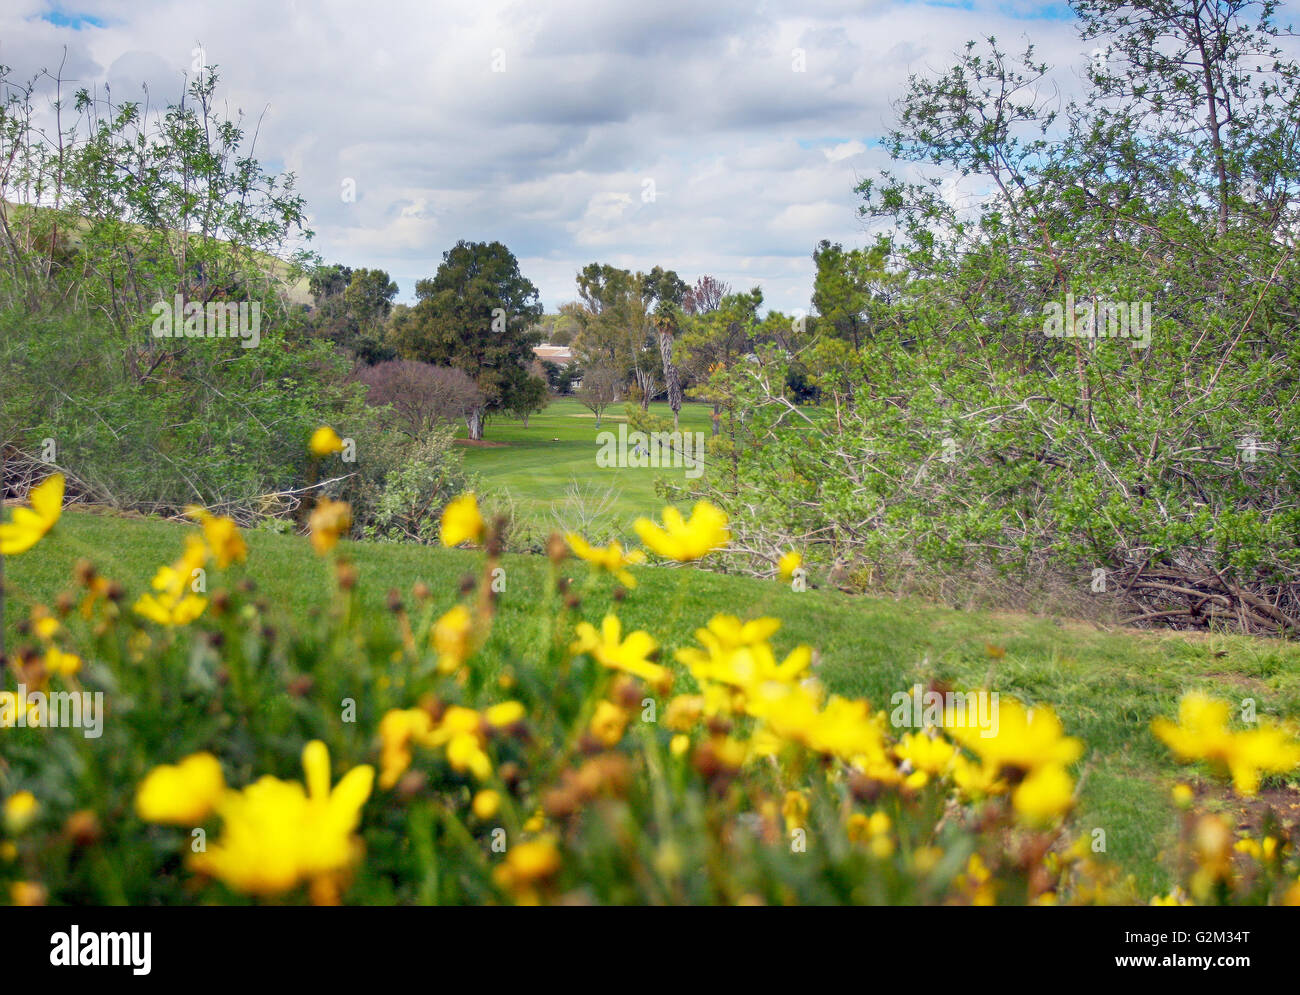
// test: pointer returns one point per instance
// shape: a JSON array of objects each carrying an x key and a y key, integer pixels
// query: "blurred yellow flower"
[
  {"x": 325, "y": 441},
  {"x": 222, "y": 536},
  {"x": 397, "y": 729},
  {"x": 933, "y": 755},
  {"x": 486, "y": 803},
  {"x": 1202, "y": 733},
  {"x": 184, "y": 794},
  {"x": 177, "y": 603},
  {"x": 61, "y": 663},
  {"x": 608, "y": 723},
  {"x": 526, "y": 865},
  {"x": 29, "y": 525},
  {"x": 328, "y": 522},
  {"x": 1044, "y": 796},
  {"x": 684, "y": 540},
  {"x": 1026, "y": 739},
  {"x": 788, "y": 564},
  {"x": 630, "y": 655},
  {"x": 612, "y": 559},
  {"x": 27, "y": 894},
  {"x": 276, "y": 835},
  {"x": 451, "y": 638},
  {"x": 20, "y": 811},
  {"x": 462, "y": 521}
]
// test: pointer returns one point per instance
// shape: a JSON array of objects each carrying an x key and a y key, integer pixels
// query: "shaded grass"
[{"x": 1106, "y": 686}]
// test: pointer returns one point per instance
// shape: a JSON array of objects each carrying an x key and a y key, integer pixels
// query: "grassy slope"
[
  {"x": 1106, "y": 686},
  {"x": 536, "y": 470}
]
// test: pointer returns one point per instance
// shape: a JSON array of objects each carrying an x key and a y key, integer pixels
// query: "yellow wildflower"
[
  {"x": 176, "y": 603},
  {"x": 1045, "y": 795},
  {"x": 328, "y": 522},
  {"x": 1026, "y": 739},
  {"x": 396, "y": 730},
  {"x": 630, "y": 655},
  {"x": 608, "y": 723},
  {"x": 276, "y": 835},
  {"x": 222, "y": 536},
  {"x": 462, "y": 521},
  {"x": 684, "y": 540},
  {"x": 20, "y": 811},
  {"x": 452, "y": 639},
  {"x": 29, "y": 525},
  {"x": 611, "y": 559},
  {"x": 788, "y": 564},
  {"x": 325, "y": 441},
  {"x": 184, "y": 794}
]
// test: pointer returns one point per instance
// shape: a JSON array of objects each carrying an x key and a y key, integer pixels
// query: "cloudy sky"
[{"x": 702, "y": 135}]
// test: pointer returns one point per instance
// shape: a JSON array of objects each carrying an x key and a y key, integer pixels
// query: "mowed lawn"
[
  {"x": 539, "y": 465},
  {"x": 1106, "y": 686}
]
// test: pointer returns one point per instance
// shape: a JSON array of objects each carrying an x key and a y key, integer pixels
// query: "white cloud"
[{"x": 753, "y": 163}]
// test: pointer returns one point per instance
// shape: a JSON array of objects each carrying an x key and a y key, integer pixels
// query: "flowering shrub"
[{"x": 245, "y": 757}]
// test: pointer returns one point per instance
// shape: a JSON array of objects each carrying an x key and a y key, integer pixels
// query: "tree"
[
  {"x": 421, "y": 395},
  {"x": 666, "y": 319},
  {"x": 599, "y": 390},
  {"x": 705, "y": 296},
  {"x": 351, "y": 309},
  {"x": 474, "y": 315}
]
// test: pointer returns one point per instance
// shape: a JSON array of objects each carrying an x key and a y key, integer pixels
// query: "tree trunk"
[{"x": 475, "y": 423}]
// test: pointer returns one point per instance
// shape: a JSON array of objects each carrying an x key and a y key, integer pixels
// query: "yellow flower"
[
  {"x": 630, "y": 656},
  {"x": 45, "y": 625},
  {"x": 276, "y": 835},
  {"x": 1202, "y": 733},
  {"x": 788, "y": 564},
  {"x": 527, "y": 865},
  {"x": 611, "y": 559},
  {"x": 325, "y": 441},
  {"x": 1026, "y": 739},
  {"x": 27, "y": 894},
  {"x": 29, "y": 524},
  {"x": 1183, "y": 795},
  {"x": 176, "y": 602},
  {"x": 931, "y": 755},
  {"x": 222, "y": 536},
  {"x": 682, "y": 540},
  {"x": 1045, "y": 795},
  {"x": 795, "y": 810},
  {"x": 504, "y": 714},
  {"x": 486, "y": 804},
  {"x": 329, "y": 520},
  {"x": 608, "y": 723},
  {"x": 19, "y": 812},
  {"x": 59, "y": 662},
  {"x": 396, "y": 730},
  {"x": 462, "y": 521},
  {"x": 738, "y": 655},
  {"x": 451, "y": 638},
  {"x": 976, "y": 780},
  {"x": 184, "y": 794}
]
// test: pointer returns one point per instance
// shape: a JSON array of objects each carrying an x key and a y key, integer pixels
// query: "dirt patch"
[{"x": 481, "y": 443}]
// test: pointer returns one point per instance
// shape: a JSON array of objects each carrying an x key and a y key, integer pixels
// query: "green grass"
[
  {"x": 536, "y": 466},
  {"x": 1106, "y": 686}
]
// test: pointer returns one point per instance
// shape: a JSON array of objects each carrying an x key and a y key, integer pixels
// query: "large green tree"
[{"x": 475, "y": 315}]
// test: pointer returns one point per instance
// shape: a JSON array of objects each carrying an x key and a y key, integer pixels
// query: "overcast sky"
[{"x": 677, "y": 133}]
